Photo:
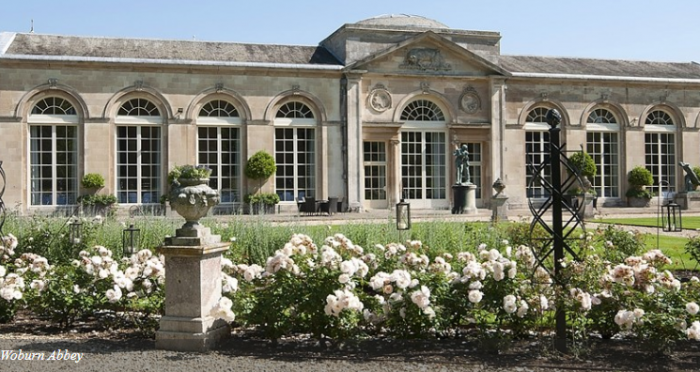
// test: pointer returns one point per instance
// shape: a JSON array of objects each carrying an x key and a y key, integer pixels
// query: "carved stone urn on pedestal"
[
  {"x": 192, "y": 199},
  {"x": 193, "y": 264}
]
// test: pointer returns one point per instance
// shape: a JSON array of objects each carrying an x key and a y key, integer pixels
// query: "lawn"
[
  {"x": 673, "y": 246},
  {"x": 689, "y": 223}
]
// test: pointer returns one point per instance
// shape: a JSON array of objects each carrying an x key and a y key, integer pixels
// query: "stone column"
[
  {"x": 354, "y": 137},
  {"x": 192, "y": 289}
]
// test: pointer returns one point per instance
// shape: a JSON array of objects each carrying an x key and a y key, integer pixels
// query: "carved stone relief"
[
  {"x": 425, "y": 59},
  {"x": 470, "y": 101},
  {"x": 379, "y": 98}
]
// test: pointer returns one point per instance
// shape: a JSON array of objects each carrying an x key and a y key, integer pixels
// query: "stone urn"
[{"x": 192, "y": 198}]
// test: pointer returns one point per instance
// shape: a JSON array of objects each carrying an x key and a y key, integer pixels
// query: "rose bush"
[{"x": 339, "y": 290}]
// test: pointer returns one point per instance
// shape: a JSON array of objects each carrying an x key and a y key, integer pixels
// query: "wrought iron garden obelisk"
[{"x": 560, "y": 231}]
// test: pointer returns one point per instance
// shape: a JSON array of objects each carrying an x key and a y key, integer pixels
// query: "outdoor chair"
[
  {"x": 339, "y": 205},
  {"x": 308, "y": 206},
  {"x": 299, "y": 203},
  {"x": 328, "y": 206}
]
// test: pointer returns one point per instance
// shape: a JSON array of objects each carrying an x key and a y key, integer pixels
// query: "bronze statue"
[
  {"x": 691, "y": 179},
  {"x": 462, "y": 165}
]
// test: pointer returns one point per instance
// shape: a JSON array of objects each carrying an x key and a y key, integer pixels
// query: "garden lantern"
[
  {"x": 672, "y": 219},
  {"x": 130, "y": 239},
  {"x": 75, "y": 231},
  {"x": 403, "y": 215}
]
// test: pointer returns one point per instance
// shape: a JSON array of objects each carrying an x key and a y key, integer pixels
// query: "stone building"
[{"x": 371, "y": 114}]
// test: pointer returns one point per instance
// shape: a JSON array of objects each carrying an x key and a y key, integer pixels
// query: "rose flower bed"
[{"x": 340, "y": 290}]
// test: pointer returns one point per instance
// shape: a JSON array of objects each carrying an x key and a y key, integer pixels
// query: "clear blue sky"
[{"x": 616, "y": 29}]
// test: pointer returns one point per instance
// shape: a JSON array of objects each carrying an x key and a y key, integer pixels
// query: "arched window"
[
  {"x": 295, "y": 110},
  {"x": 138, "y": 107},
  {"x": 53, "y": 106},
  {"x": 219, "y": 109},
  {"x": 537, "y": 115},
  {"x": 659, "y": 117},
  {"x": 603, "y": 144},
  {"x": 219, "y": 148},
  {"x": 424, "y": 154},
  {"x": 139, "y": 159},
  {"x": 660, "y": 149},
  {"x": 537, "y": 148},
  {"x": 53, "y": 152},
  {"x": 422, "y": 110},
  {"x": 295, "y": 152}
]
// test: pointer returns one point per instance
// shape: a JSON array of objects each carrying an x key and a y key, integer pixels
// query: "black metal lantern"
[
  {"x": 76, "y": 227},
  {"x": 403, "y": 215},
  {"x": 130, "y": 239},
  {"x": 672, "y": 219}
]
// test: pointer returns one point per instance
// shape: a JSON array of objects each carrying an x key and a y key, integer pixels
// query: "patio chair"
[
  {"x": 308, "y": 206},
  {"x": 339, "y": 205},
  {"x": 299, "y": 204},
  {"x": 329, "y": 206}
]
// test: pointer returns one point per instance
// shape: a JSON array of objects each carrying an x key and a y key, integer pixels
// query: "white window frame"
[
  {"x": 139, "y": 122},
  {"x": 602, "y": 121},
  {"x": 375, "y": 160},
  {"x": 296, "y": 115},
  {"x": 57, "y": 112}
]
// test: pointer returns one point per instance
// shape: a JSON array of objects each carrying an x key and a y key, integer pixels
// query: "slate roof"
[
  {"x": 600, "y": 67},
  {"x": 151, "y": 49}
]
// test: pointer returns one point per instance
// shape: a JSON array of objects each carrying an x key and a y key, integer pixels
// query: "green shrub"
[
  {"x": 260, "y": 166},
  {"x": 639, "y": 193},
  {"x": 188, "y": 172},
  {"x": 640, "y": 176},
  {"x": 93, "y": 181},
  {"x": 97, "y": 200},
  {"x": 584, "y": 163},
  {"x": 692, "y": 248},
  {"x": 262, "y": 198}
]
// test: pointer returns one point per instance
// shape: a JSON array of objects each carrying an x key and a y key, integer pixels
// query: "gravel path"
[{"x": 239, "y": 354}]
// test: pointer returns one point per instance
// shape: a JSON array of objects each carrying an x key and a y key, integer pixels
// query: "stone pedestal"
[
  {"x": 464, "y": 199},
  {"x": 688, "y": 200},
  {"x": 192, "y": 289},
  {"x": 499, "y": 208}
]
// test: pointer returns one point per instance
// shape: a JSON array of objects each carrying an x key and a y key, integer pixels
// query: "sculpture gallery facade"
[{"x": 371, "y": 114}]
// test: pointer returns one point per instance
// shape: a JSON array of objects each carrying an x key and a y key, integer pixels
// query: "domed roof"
[{"x": 403, "y": 20}]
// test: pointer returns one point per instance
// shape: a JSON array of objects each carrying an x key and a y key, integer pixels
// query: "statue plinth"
[
  {"x": 499, "y": 208},
  {"x": 464, "y": 198},
  {"x": 193, "y": 276}
]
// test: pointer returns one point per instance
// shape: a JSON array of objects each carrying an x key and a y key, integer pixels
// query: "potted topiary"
[
  {"x": 638, "y": 195},
  {"x": 260, "y": 167},
  {"x": 585, "y": 165},
  {"x": 92, "y": 203},
  {"x": 92, "y": 181},
  {"x": 97, "y": 204}
]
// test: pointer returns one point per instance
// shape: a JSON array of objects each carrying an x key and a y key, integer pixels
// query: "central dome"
[{"x": 403, "y": 20}]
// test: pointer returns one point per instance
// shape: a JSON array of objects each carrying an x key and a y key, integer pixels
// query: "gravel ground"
[{"x": 248, "y": 354}]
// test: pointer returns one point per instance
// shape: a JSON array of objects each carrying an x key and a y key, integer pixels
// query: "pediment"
[{"x": 429, "y": 54}]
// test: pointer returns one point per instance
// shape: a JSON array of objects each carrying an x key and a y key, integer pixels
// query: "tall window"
[
  {"x": 138, "y": 152},
  {"x": 660, "y": 149},
  {"x": 219, "y": 147},
  {"x": 53, "y": 152},
  {"x": 537, "y": 149},
  {"x": 423, "y": 151},
  {"x": 375, "y": 170},
  {"x": 602, "y": 143},
  {"x": 295, "y": 152}
]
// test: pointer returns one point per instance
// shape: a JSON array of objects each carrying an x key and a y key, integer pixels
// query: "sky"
[{"x": 650, "y": 30}]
